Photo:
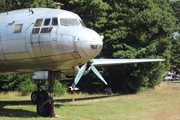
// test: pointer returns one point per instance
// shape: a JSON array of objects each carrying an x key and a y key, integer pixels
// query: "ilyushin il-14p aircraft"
[{"x": 50, "y": 44}]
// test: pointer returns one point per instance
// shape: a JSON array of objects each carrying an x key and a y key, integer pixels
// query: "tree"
[
  {"x": 175, "y": 53},
  {"x": 145, "y": 30},
  {"x": 131, "y": 29},
  {"x": 175, "y": 50},
  {"x": 7, "y": 5}
]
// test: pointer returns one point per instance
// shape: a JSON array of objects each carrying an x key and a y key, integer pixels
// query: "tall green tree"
[
  {"x": 175, "y": 50},
  {"x": 175, "y": 53},
  {"x": 131, "y": 29},
  {"x": 146, "y": 32},
  {"x": 6, "y": 5}
]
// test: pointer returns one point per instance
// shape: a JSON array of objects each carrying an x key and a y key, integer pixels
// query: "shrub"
[
  {"x": 26, "y": 86},
  {"x": 59, "y": 89}
]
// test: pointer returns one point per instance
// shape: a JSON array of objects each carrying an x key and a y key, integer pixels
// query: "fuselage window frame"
[
  {"x": 35, "y": 30},
  {"x": 54, "y": 21},
  {"x": 46, "y": 30},
  {"x": 47, "y": 22},
  {"x": 69, "y": 21},
  {"x": 38, "y": 22},
  {"x": 18, "y": 28}
]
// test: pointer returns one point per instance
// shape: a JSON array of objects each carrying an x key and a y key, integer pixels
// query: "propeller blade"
[
  {"x": 79, "y": 74},
  {"x": 98, "y": 74}
]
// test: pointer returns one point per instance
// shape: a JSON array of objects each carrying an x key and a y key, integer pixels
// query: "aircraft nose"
[{"x": 90, "y": 40}]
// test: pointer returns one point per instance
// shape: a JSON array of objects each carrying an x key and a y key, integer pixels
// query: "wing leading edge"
[{"x": 99, "y": 62}]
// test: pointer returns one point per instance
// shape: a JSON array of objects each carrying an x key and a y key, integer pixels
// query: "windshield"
[{"x": 71, "y": 22}]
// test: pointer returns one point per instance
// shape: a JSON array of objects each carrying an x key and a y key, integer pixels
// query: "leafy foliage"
[
  {"x": 26, "y": 86},
  {"x": 11, "y": 82},
  {"x": 59, "y": 88},
  {"x": 175, "y": 50},
  {"x": 6, "y": 5},
  {"x": 131, "y": 29}
]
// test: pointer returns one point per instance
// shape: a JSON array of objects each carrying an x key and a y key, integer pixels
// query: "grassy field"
[{"x": 161, "y": 103}]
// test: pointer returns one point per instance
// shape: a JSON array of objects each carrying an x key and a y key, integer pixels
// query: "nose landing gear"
[{"x": 44, "y": 101}]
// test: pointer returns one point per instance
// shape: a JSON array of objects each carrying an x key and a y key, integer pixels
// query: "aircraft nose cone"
[{"x": 91, "y": 41}]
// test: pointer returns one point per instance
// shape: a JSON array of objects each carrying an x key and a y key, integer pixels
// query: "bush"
[
  {"x": 26, "y": 86},
  {"x": 59, "y": 89}
]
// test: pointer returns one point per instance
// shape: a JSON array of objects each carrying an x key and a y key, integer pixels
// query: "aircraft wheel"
[
  {"x": 43, "y": 110},
  {"x": 44, "y": 95},
  {"x": 35, "y": 97}
]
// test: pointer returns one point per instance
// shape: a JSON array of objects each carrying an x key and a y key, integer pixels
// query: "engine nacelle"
[{"x": 71, "y": 73}]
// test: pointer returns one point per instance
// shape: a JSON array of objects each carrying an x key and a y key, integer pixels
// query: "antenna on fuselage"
[
  {"x": 30, "y": 10},
  {"x": 58, "y": 4}
]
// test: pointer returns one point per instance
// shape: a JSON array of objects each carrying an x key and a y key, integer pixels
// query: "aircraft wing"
[{"x": 101, "y": 62}]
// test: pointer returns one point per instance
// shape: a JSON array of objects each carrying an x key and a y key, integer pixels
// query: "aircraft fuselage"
[{"x": 44, "y": 39}]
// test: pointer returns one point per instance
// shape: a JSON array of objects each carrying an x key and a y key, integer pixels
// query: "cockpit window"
[
  {"x": 47, "y": 21},
  {"x": 38, "y": 22},
  {"x": 82, "y": 23},
  {"x": 54, "y": 21},
  {"x": 69, "y": 21}
]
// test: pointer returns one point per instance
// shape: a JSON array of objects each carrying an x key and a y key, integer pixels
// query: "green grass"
[{"x": 161, "y": 103}]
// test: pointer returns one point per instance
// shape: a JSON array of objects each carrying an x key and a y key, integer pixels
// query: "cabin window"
[
  {"x": 38, "y": 23},
  {"x": 54, "y": 21},
  {"x": 18, "y": 28},
  {"x": 47, "y": 21},
  {"x": 35, "y": 30},
  {"x": 46, "y": 30},
  {"x": 69, "y": 21}
]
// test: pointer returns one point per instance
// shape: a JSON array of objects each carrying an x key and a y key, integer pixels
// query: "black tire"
[
  {"x": 44, "y": 95},
  {"x": 35, "y": 97},
  {"x": 45, "y": 110}
]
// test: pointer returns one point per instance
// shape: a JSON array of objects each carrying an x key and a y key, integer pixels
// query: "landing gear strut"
[{"x": 45, "y": 103}]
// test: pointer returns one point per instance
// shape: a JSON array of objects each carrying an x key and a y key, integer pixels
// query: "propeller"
[
  {"x": 98, "y": 74},
  {"x": 82, "y": 70},
  {"x": 80, "y": 73}
]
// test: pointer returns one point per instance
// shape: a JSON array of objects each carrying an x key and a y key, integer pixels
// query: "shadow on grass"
[
  {"x": 10, "y": 109},
  {"x": 84, "y": 98},
  {"x": 14, "y": 109}
]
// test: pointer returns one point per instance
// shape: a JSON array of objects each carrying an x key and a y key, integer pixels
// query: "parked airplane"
[{"x": 50, "y": 44}]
